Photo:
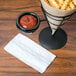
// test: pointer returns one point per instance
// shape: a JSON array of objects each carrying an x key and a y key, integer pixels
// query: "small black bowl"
[{"x": 25, "y": 30}]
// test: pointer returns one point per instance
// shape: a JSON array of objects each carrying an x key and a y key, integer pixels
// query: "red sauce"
[{"x": 28, "y": 21}]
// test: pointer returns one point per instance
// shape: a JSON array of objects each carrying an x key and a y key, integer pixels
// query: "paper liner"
[{"x": 55, "y": 12}]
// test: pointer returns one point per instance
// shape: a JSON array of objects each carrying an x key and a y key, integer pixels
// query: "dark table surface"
[{"x": 63, "y": 65}]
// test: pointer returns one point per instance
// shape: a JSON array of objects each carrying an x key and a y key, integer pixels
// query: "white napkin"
[{"x": 30, "y": 52}]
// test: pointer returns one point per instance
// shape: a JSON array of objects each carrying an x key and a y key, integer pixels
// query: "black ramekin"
[{"x": 25, "y": 30}]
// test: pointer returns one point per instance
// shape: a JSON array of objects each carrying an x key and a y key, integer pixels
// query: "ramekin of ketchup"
[{"x": 28, "y": 22}]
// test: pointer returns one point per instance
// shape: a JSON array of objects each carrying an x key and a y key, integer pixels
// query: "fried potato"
[
  {"x": 65, "y": 4},
  {"x": 46, "y": 1},
  {"x": 68, "y": 8},
  {"x": 74, "y": 1},
  {"x": 62, "y": 4},
  {"x": 53, "y": 3},
  {"x": 71, "y": 5}
]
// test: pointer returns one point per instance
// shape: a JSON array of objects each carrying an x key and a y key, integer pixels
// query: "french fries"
[
  {"x": 66, "y": 3},
  {"x": 71, "y": 5},
  {"x": 74, "y": 1},
  {"x": 46, "y": 1},
  {"x": 53, "y": 3},
  {"x": 68, "y": 8},
  {"x": 62, "y": 4}
]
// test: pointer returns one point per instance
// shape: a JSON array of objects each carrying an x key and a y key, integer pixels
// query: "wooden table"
[{"x": 64, "y": 64}]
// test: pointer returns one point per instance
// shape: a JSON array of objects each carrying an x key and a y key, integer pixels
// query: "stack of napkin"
[{"x": 30, "y": 52}]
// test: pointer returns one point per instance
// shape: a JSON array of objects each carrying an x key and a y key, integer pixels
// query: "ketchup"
[{"x": 28, "y": 21}]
